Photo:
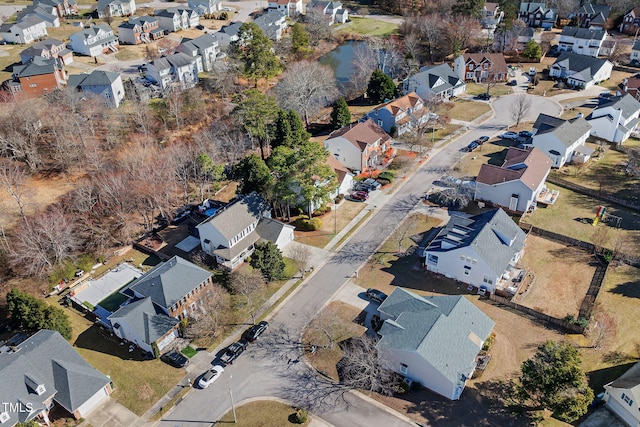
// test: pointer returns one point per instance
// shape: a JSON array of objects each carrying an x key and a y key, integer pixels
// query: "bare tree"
[
  {"x": 315, "y": 22},
  {"x": 602, "y": 329},
  {"x": 364, "y": 62},
  {"x": 326, "y": 330},
  {"x": 545, "y": 41},
  {"x": 619, "y": 52},
  {"x": 363, "y": 368},
  {"x": 520, "y": 107},
  {"x": 459, "y": 33},
  {"x": 301, "y": 258},
  {"x": 151, "y": 52},
  {"x": 248, "y": 283},
  {"x": 431, "y": 29},
  {"x": 215, "y": 309},
  {"x": 175, "y": 105},
  {"x": 12, "y": 180}
]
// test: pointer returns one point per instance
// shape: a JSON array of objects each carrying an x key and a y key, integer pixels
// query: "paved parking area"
[
  {"x": 94, "y": 291},
  {"x": 602, "y": 418},
  {"x": 112, "y": 414}
]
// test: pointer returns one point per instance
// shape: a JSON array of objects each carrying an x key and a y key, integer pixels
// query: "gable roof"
[
  {"x": 529, "y": 166},
  {"x": 238, "y": 215},
  {"x": 37, "y": 66},
  {"x": 492, "y": 235},
  {"x": 269, "y": 229},
  {"x": 103, "y": 4},
  {"x": 431, "y": 74},
  {"x": 584, "y": 33},
  {"x": 627, "y": 104},
  {"x": 629, "y": 380},
  {"x": 145, "y": 319},
  {"x": 579, "y": 63},
  {"x": 96, "y": 78},
  {"x": 498, "y": 64},
  {"x": 138, "y": 21},
  {"x": 361, "y": 134},
  {"x": 595, "y": 9},
  {"x": 172, "y": 11},
  {"x": 403, "y": 103},
  {"x": 341, "y": 170},
  {"x": 93, "y": 31},
  {"x": 46, "y": 358},
  {"x": 447, "y": 331},
  {"x": 203, "y": 42},
  {"x": 566, "y": 131},
  {"x": 169, "y": 281},
  {"x": 175, "y": 60}
]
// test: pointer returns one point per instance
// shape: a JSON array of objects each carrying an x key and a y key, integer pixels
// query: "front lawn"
[
  {"x": 497, "y": 90},
  {"x": 332, "y": 221},
  {"x": 262, "y": 413},
  {"x": 463, "y": 109},
  {"x": 369, "y": 27}
]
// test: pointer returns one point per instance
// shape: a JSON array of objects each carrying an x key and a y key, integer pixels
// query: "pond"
[{"x": 340, "y": 59}]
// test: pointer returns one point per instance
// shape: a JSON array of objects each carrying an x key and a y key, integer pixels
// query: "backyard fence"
[
  {"x": 528, "y": 228},
  {"x": 593, "y": 193},
  {"x": 589, "y": 301},
  {"x": 147, "y": 250}
]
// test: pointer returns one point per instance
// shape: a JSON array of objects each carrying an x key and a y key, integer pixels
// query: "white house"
[
  {"x": 537, "y": 15},
  {"x": 615, "y": 119},
  {"x": 403, "y": 114},
  {"x": 230, "y": 234},
  {"x": 28, "y": 30},
  {"x": 477, "y": 250},
  {"x": 580, "y": 70},
  {"x": 273, "y": 23},
  {"x": 561, "y": 139},
  {"x": 94, "y": 41},
  {"x": 635, "y": 51},
  {"x": 438, "y": 82},
  {"x": 177, "y": 18},
  {"x": 343, "y": 175},
  {"x": 622, "y": 396},
  {"x": 205, "y": 7},
  {"x": 583, "y": 41},
  {"x": 47, "y": 13},
  {"x": 359, "y": 146},
  {"x": 491, "y": 15},
  {"x": 105, "y": 84},
  {"x": 517, "y": 183},
  {"x": 291, "y": 8},
  {"x": 178, "y": 68},
  {"x": 432, "y": 340},
  {"x": 332, "y": 9},
  {"x": 48, "y": 48},
  {"x": 116, "y": 8},
  {"x": 205, "y": 47}
]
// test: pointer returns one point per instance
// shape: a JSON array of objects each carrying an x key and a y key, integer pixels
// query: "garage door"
[
  {"x": 93, "y": 401},
  {"x": 621, "y": 411},
  {"x": 167, "y": 340}
]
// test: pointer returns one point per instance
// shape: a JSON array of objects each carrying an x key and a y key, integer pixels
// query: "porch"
[{"x": 547, "y": 197}]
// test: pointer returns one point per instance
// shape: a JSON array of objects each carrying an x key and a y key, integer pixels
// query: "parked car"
[
  {"x": 372, "y": 183},
  {"x": 79, "y": 273},
  {"x": 210, "y": 376},
  {"x": 484, "y": 96},
  {"x": 175, "y": 359},
  {"x": 482, "y": 140},
  {"x": 255, "y": 331},
  {"x": 375, "y": 295},
  {"x": 472, "y": 146},
  {"x": 233, "y": 352},
  {"x": 359, "y": 196},
  {"x": 509, "y": 135},
  {"x": 513, "y": 83},
  {"x": 532, "y": 71},
  {"x": 525, "y": 133}
]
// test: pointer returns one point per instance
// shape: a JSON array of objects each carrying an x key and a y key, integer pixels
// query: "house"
[
  {"x": 614, "y": 119},
  {"x": 205, "y": 47},
  {"x": 177, "y": 18},
  {"x": 143, "y": 29},
  {"x": 537, "y": 15},
  {"x": 630, "y": 85},
  {"x": 631, "y": 21},
  {"x": 176, "y": 287},
  {"x": 144, "y": 323},
  {"x": 593, "y": 16},
  {"x": 63, "y": 7},
  {"x": 476, "y": 250},
  {"x": 622, "y": 396},
  {"x": 517, "y": 183},
  {"x": 333, "y": 10},
  {"x": 360, "y": 146},
  {"x": 36, "y": 77},
  {"x": 513, "y": 40},
  {"x": 343, "y": 176},
  {"x": 46, "y": 13},
  {"x": 401, "y": 115},
  {"x": 580, "y": 71},
  {"x": 109, "y": 8},
  {"x": 105, "y": 84},
  {"x": 478, "y": 67},
  {"x": 559, "y": 138},
  {"x": 230, "y": 234},
  {"x": 583, "y": 41},
  {"x": 48, "y": 48},
  {"x": 273, "y": 23},
  {"x": 44, "y": 373},
  {"x": 437, "y": 82},
  {"x": 228, "y": 34},
  {"x": 491, "y": 15},
  {"x": 178, "y": 69},
  {"x": 28, "y": 30},
  {"x": 205, "y": 7},
  {"x": 432, "y": 340},
  {"x": 94, "y": 41},
  {"x": 290, "y": 8},
  {"x": 635, "y": 51}
]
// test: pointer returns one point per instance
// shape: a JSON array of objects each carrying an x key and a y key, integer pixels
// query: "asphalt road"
[{"x": 273, "y": 366}]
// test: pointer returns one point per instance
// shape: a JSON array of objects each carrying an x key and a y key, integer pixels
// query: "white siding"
[
  {"x": 452, "y": 265},
  {"x": 209, "y": 232},
  {"x": 92, "y": 402},
  {"x": 630, "y": 414},
  {"x": 125, "y": 332},
  {"x": 345, "y": 152},
  {"x": 500, "y": 194},
  {"x": 286, "y": 236}
]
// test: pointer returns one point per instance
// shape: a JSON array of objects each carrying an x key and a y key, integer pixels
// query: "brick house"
[
  {"x": 479, "y": 67},
  {"x": 48, "y": 48},
  {"x": 593, "y": 16},
  {"x": 360, "y": 146},
  {"x": 63, "y": 7},
  {"x": 143, "y": 29},
  {"x": 36, "y": 77},
  {"x": 537, "y": 15},
  {"x": 631, "y": 21}
]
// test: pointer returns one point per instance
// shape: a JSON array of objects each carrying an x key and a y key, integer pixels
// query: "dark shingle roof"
[
  {"x": 175, "y": 60},
  {"x": 626, "y": 103},
  {"x": 584, "y": 33},
  {"x": 567, "y": 131},
  {"x": 270, "y": 229},
  {"x": 96, "y": 78},
  {"x": 37, "y": 66},
  {"x": 238, "y": 216},
  {"x": 147, "y": 321},
  {"x": 430, "y": 75}
]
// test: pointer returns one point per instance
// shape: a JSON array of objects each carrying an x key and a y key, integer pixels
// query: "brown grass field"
[
  {"x": 344, "y": 214},
  {"x": 463, "y": 109}
]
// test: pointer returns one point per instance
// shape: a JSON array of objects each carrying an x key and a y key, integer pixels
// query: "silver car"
[{"x": 210, "y": 376}]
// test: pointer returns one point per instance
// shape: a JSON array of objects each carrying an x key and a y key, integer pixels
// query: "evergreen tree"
[
  {"x": 256, "y": 112},
  {"x": 34, "y": 314},
  {"x": 471, "y": 8},
  {"x": 532, "y": 50},
  {"x": 380, "y": 87},
  {"x": 254, "y": 175},
  {"x": 254, "y": 51},
  {"x": 282, "y": 134},
  {"x": 298, "y": 132},
  {"x": 510, "y": 9},
  {"x": 340, "y": 114},
  {"x": 300, "y": 40},
  {"x": 268, "y": 259}
]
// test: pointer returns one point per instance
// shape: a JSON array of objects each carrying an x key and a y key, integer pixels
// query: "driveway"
[
  {"x": 112, "y": 414},
  {"x": 9, "y": 10}
]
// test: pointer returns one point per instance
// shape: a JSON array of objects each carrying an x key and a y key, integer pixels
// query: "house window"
[
  {"x": 432, "y": 259},
  {"x": 469, "y": 75},
  {"x": 404, "y": 369},
  {"x": 488, "y": 280},
  {"x": 475, "y": 261},
  {"x": 467, "y": 270},
  {"x": 462, "y": 257},
  {"x": 470, "y": 67},
  {"x": 627, "y": 399}
]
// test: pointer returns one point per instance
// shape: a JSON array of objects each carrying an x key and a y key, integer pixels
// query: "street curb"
[
  {"x": 383, "y": 407},
  {"x": 312, "y": 415}
]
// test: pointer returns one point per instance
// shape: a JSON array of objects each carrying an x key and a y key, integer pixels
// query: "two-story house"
[
  {"x": 562, "y": 140},
  {"x": 593, "y": 16},
  {"x": 537, "y": 15},
  {"x": 512, "y": 40},
  {"x": 46, "y": 13},
  {"x": 491, "y": 15},
  {"x": 108, "y": 8},
  {"x": 228, "y": 34},
  {"x": 359, "y": 146},
  {"x": 230, "y": 234},
  {"x": 333, "y": 10},
  {"x": 583, "y": 41},
  {"x": 635, "y": 51},
  {"x": 105, "y": 84},
  {"x": 94, "y": 41},
  {"x": 480, "y": 67},
  {"x": 205, "y": 47},
  {"x": 273, "y": 23},
  {"x": 517, "y": 183},
  {"x": 30, "y": 29},
  {"x": 631, "y": 86},
  {"x": 621, "y": 396},
  {"x": 631, "y": 22},
  {"x": 205, "y": 7},
  {"x": 178, "y": 69},
  {"x": 143, "y": 29},
  {"x": 64, "y": 8},
  {"x": 435, "y": 82},
  {"x": 290, "y": 8},
  {"x": 401, "y": 115},
  {"x": 177, "y": 18},
  {"x": 580, "y": 71},
  {"x": 48, "y": 48},
  {"x": 36, "y": 77},
  {"x": 476, "y": 250},
  {"x": 614, "y": 119}
]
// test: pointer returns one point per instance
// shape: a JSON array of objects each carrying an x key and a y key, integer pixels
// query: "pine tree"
[
  {"x": 33, "y": 314},
  {"x": 340, "y": 114},
  {"x": 254, "y": 50},
  {"x": 380, "y": 87},
  {"x": 282, "y": 134},
  {"x": 532, "y": 50},
  {"x": 268, "y": 259},
  {"x": 298, "y": 132},
  {"x": 300, "y": 40}
]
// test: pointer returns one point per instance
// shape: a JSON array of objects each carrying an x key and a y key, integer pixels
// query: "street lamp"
[{"x": 233, "y": 407}]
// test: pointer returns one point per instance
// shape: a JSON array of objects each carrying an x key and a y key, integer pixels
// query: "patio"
[
  {"x": 547, "y": 197},
  {"x": 91, "y": 292}
]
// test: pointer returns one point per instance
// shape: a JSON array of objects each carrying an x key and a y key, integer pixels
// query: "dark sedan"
[
  {"x": 233, "y": 352},
  {"x": 255, "y": 331},
  {"x": 375, "y": 295},
  {"x": 175, "y": 359}
]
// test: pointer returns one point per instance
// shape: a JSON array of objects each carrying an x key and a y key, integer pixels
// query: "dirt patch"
[
  {"x": 331, "y": 221},
  {"x": 562, "y": 277}
]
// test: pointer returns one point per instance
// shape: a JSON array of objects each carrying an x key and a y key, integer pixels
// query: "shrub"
[
  {"x": 393, "y": 131},
  {"x": 489, "y": 342},
  {"x": 306, "y": 224},
  {"x": 384, "y": 182},
  {"x": 302, "y": 416},
  {"x": 387, "y": 175},
  {"x": 402, "y": 388}
]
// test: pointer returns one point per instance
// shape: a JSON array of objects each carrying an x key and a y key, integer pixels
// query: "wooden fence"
[
  {"x": 147, "y": 250},
  {"x": 528, "y": 228},
  {"x": 593, "y": 193}
]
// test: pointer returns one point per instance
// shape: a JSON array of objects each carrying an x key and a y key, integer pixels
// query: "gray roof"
[
  {"x": 96, "y": 78},
  {"x": 94, "y": 31},
  {"x": 447, "y": 331},
  {"x": 580, "y": 63},
  {"x": 567, "y": 131},
  {"x": 135, "y": 20},
  {"x": 270, "y": 229},
  {"x": 628, "y": 380},
  {"x": 232, "y": 29},
  {"x": 168, "y": 282},
  {"x": 626, "y": 103},
  {"x": 203, "y": 42},
  {"x": 54, "y": 2},
  {"x": 636, "y": 45},
  {"x": 584, "y": 33},
  {"x": 146, "y": 320},
  {"x": 103, "y": 4},
  {"x": 37, "y": 66},
  {"x": 46, "y": 358},
  {"x": 170, "y": 12},
  {"x": 493, "y": 236},
  {"x": 594, "y": 10},
  {"x": 238, "y": 215},
  {"x": 430, "y": 75},
  {"x": 26, "y": 22},
  {"x": 238, "y": 248},
  {"x": 175, "y": 60},
  {"x": 38, "y": 10}
]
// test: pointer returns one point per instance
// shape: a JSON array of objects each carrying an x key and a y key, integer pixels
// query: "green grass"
[
  {"x": 189, "y": 351},
  {"x": 261, "y": 413},
  {"x": 467, "y": 110},
  {"x": 369, "y": 27}
]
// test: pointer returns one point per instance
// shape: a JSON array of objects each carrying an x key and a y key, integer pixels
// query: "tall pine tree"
[
  {"x": 380, "y": 87},
  {"x": 340, "y": 114}
]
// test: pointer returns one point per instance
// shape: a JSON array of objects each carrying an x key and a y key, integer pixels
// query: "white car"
[
  {"x": 509, "y": 135},
  {"x": 210, "y": 376}
]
